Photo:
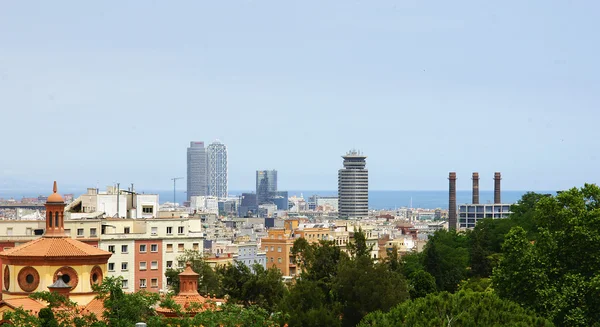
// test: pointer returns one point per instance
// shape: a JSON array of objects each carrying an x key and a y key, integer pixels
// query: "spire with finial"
[
  {"x": 55, "y": 211},
  {"x": 188, "y": 281}
]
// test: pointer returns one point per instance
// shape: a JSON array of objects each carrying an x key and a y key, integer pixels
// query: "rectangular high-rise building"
[
  {"x": 353, "y": 187},
  {"x": 196, "y": 170},
  {"x": 266, "y": 183},
  {"x": 217, "y": 169}
]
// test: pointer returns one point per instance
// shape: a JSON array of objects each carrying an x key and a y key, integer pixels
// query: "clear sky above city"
[{"x": 113, "y": 91}]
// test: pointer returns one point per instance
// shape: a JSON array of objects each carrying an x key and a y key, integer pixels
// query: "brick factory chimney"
[
  {"x": 497, "y": 179},
  {"x": 475, "y": 188},
  {"x": 452, "y": 202}
]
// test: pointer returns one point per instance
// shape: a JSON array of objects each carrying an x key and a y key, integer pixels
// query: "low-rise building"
[{"x": 470, "y": 214}]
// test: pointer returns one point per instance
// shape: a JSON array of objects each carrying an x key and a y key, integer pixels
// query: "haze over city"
[{"x": 90, "y": 96}]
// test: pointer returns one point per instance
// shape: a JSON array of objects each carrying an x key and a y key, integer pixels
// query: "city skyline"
[{"x": 423, "y": 88}]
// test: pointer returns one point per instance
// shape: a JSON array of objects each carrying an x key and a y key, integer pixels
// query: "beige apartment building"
[{"x": 143, "y": 249}]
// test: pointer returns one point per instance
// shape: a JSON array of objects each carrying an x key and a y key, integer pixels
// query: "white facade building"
[
  {"x": 208, "y": 204},
  {"x": 114, "y": 203}
]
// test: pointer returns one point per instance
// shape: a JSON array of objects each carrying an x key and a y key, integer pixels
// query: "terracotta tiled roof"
[
  {"x": 54, "y": 247},
  {"x": 96, "y": 306},
  {"x": 188, "y": 271},
  {"x": 27, "y": 303}
]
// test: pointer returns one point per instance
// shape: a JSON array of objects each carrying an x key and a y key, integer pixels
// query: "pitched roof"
[
  {"x": 27, "y": 303},
  {"x": 188, "y": 271},
  {"x": 54, "y": 247},
  {"x": 96, "y": 306}
]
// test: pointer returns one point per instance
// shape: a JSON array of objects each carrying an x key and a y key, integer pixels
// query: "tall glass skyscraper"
[
  {"x": 353, "y": 186},
  {"x": 266, "y": 183},
  {"x": 217, "y": 169},
  {"x": 196, "y": 170}
]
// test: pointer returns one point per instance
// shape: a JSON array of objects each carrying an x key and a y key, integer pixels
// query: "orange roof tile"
[
  {"x": 96, "y": 306},
  {"x": 27, "y": 303},
  {"x": 188, "y": 271},
  {"x": 54, "y": 247}
]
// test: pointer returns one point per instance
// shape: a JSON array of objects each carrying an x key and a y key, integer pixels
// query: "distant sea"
[{"x": 379, "y": 200}]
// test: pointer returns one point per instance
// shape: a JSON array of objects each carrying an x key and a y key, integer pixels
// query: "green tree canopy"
[
  {"x": 446, "y": 258},
  {"x": 208, "y": 282},
  {"x": 126, "y": 309},
  {"x": 557, "y": 274},
  {"x": 421, "y": 283},
  {"x": 464, "y": 308}
]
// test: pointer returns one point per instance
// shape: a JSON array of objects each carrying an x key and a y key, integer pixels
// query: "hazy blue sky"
[{"x": 97, "y": 92}]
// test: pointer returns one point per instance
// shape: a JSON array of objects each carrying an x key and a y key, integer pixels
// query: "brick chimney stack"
[
  {"x": 475, "y": 188},
  {"x": 452, "y": 201},
  {"x": 497, "y": 179}
]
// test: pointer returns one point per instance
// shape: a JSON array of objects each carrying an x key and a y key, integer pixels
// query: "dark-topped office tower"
[
  {"x": 266, "y": 184},
  {"x": 248, "y": 206},
  {"x": 196, "y": 170},
  {"x": 353, "y": 187}
]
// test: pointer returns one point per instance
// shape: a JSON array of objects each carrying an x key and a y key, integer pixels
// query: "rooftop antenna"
[{"x": 174, "y": 179}]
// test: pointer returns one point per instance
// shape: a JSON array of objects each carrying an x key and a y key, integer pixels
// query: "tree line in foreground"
[{"x": 539, "y": 267}]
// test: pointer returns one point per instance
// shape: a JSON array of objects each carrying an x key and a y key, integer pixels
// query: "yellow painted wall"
[{"x": 46, "y": 279}]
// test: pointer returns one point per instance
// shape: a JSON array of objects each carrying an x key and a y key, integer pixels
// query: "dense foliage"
[
  {"x": 558, "y": 273},
  {"x": 337, "y": 289},
  {"x": 257, "y": 286},
  {"x": 464, "y": 308}
]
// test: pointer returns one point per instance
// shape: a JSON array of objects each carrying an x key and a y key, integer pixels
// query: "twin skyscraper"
[{"x": 207, "y": 170}]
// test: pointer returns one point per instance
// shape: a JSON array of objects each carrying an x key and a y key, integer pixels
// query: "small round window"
[
  {"x": 68, "y": 276},
  {"x": 28, "y": 279},
  {"x": 96, "y": 275}
]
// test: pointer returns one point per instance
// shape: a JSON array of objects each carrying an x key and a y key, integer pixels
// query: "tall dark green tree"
[
  {"x": 446, "y": 258},
  {"x": 411, "y": 263},
  {"x": 486, "y": 243},
  {"x": 421, "y": 283},
  {"x": 47, "y": 318},
  {"x": 311, "y": 301},
  {"x": 362, "y": 286}
]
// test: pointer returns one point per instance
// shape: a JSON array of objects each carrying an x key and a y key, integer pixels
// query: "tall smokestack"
[
  {"x": 475, "y": 188},
  {"x": 497, "y": 179},
  {"x": 452, "y": 202}
]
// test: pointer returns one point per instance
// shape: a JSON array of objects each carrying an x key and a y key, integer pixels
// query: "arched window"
[
  {"x": 56, "y": 219},
  {"x": 50, "y": 218}
]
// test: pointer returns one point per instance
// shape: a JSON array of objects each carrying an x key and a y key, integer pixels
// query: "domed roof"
[{"x": 55, "y": 197}]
